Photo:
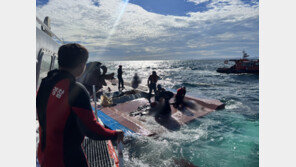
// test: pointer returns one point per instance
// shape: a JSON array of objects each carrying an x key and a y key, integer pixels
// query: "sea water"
[{"x": 224, "y": 138}]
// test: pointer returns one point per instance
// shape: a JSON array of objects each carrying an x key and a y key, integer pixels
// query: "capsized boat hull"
[{"x": 136, "y": 116}]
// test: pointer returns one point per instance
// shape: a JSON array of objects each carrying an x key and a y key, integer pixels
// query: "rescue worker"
[
  {"x": 179, "y": 99},
  {"x": 152, "y": 80},
  {"x": 91, "y": 76},
  {"x": 65, "y": 114},
  {"x": 94, "y": 76},
  {"x": 164, "y": 97},
  {"x": 136, "y": 81},
  {"x": 159, "y": 92},
  {"x": 120, "y": 79}
]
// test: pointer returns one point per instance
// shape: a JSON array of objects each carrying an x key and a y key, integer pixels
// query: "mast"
[{"x": 245, "y": 55}]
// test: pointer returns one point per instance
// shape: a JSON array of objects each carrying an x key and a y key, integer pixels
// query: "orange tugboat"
[{"x": 243, "y": 65}]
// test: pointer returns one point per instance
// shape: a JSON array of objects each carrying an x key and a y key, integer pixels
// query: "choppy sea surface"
[{"x": 224, "y": 138}]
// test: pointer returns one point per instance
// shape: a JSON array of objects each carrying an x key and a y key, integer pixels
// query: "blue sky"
[
  {"x": 156, "y": 29},
  {"x": 169, "y": 7}
]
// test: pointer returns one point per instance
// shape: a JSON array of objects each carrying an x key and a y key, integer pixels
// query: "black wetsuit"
[
  {"x": 135, "y": 82},
  {"x": 120, "y": 79},
  {"x": 179, "y": 99},
  {"x": 152, "y": 85},
  {"x": 65, "y": 118},
  {"x": 167, "y": 95},
  {"x": 159, "y": 94}
]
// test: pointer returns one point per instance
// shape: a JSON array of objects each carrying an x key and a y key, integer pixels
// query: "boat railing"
[
  {"x": 48, "y": 30},
  {"x": 119, "y": 143}
]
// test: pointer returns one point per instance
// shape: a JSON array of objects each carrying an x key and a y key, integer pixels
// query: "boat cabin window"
[
  {"x": 47, "y": 61},
  {"x": 55, "y": 63}
]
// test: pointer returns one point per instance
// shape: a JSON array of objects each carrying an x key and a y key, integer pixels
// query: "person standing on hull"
[
  {"x": 179, "y": 99},
  {"x": 120, "y": 79},
  {"x": 136, "y": 81},
  {"x": 65, "y": 114},
  {"x": 152, "y": 80}
]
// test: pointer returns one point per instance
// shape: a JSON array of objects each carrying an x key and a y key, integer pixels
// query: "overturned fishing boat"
[{"x": 242, "y": 65}]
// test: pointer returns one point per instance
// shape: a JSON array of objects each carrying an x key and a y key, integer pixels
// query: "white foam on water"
[
  {"x": 160, "y": 151},
  {"x": 232, "y": 104},
  {"x": 207, "y": 72},
  {"x": 147, "y": 151}
]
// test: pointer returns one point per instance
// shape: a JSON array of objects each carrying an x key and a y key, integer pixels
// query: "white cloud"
[
  {"x": 197, "y": 1},
  {"x": 195, "y": 43},
  {"x": 139, "y": 31},
  {"x": 226, "y": 36}
]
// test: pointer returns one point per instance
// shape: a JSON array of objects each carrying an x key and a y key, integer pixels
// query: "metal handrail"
[
  {"x": 119, "y": 144},
  {"x": 47, "y": 29}
]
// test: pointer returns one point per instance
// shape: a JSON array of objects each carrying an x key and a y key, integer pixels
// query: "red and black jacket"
[{"x": 65, "y": 118}]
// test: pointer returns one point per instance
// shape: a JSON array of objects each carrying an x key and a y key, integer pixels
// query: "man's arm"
[
  {"x": 90, "y": 127},
  {"x": 80, "y": 105}
]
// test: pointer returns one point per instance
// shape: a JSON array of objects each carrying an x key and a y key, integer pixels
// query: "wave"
[{"x": 189, "y": 84}]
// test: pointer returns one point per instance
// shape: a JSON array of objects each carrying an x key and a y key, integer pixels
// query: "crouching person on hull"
[
  {"x": 163, "y": 97},
  {"x": 64, "y": 113},
  {"x": 179, "y": 99}
]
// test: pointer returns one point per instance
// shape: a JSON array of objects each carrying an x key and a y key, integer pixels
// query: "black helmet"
[
  {"x": 158, "y": 86},
  {"x": 98, "y": 64},
  {"x": 104, "y": 68}
]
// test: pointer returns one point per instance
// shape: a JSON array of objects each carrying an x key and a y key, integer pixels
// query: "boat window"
[
  {"x": 55, "y": 63},
  {"x": 45, "y": 67}
]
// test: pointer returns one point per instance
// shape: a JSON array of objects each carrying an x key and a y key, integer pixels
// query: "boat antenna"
[
  {"x": 47, "y": 29},
  {"x": 245, "y": 55}
]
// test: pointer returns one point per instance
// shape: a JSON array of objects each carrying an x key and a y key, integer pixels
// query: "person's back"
[
  {"x": 181, "y": 92},
  {"x": 119, "y": 72},
  {"x": 136, "y": 81},
  {"x": 151, "y": 83},
  {"x": 57, "y": 101},
  {"x": 65, "y": 116},
  {"x": 179, "y": 99},
  {"x": 153, "y": 78}
]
